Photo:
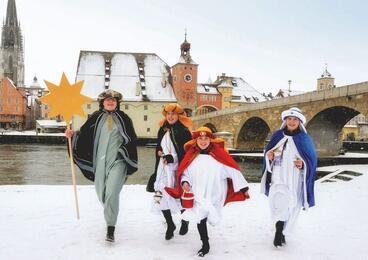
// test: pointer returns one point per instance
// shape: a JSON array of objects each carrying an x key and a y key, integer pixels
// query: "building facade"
[
  {"x": 201, "y": 98},
  {"x": 13, "y": 106},
  {"x": 143, "y": 79},
  {"x": 326, "y": 81}
]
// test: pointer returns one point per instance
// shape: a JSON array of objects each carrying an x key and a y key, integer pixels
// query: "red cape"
[{"x": 217, "y": 151}]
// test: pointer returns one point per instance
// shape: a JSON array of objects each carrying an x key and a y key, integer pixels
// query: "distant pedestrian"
[
  {"x": 213, "y": 177},
  {"x": 105, "y": 151},
  {"x": 174, "y": 132},
  {"x": 289, "y": 171}
]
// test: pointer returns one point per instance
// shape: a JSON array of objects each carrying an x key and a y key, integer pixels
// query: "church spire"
[
  {"x": 11, "y": 14},
  {"x": 12, "y": 53}
]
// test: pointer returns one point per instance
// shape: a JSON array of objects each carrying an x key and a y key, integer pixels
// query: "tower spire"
[
  {"x": 11, "y": 14},
  {"x": 12, "y": 53},
  {"x": 185, "y": 50}
]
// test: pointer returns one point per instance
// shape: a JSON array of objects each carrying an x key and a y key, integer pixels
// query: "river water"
[{"x": 50, "y": 165}]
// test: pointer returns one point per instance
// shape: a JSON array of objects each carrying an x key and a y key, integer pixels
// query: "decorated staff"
[
  {"x": 106, "y": 152},
  {"x": 66, "y": 100},
  {"x": 289, "y": 171}
]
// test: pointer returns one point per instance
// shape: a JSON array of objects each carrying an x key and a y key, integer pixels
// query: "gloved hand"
[{"x": 168, "y": 158}]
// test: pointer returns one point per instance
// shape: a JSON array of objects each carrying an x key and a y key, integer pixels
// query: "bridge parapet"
[
  {"x": 327, "y": 111},
  {"x": 343, "y": 91}
]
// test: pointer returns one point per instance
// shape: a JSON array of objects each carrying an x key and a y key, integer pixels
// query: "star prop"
[{"x": 65, "y": 99}]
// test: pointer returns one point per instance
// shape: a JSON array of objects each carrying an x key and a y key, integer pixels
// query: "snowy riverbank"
[{"x": 38, "y": 222}]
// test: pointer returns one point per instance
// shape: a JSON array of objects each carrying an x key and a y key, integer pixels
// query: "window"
[
  {"x": 88, "y": 106},
  {"x": 145, "y": 117},
  {"x": 126, "y": 107},
  {"x": 148, "y": 130},
  {"x": 145, "y": 107}
]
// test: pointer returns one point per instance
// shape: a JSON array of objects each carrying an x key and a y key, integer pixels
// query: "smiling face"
[
  {"x": 172, "y": 117},
  {"x": 292, "y": 123},
  {"x": 203, "y": 142},
  {"x": 110, "y": 104}
]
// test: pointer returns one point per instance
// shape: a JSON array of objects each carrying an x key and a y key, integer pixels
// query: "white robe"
[
  {"x": 207, "y": 178},
  {"x": 166, "y": 177},
  {"x": 287, "y": 189}
]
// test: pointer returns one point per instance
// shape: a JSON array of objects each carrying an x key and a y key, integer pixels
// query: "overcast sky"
[{"x": 264, "y": 42}]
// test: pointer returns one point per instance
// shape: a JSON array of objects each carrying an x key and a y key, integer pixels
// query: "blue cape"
[{"x": 305, "y": 147}]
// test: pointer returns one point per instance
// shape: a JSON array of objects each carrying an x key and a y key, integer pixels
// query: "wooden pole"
[{"x": 73, "y": 174}]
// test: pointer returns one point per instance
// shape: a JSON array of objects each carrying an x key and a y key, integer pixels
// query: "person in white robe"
[
  {"x": 172, "y": 135},
  {"x": 286, "y": 173},
  {"x": 214, "y": 178}
]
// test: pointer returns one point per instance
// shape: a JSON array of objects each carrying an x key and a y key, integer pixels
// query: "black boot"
[
  {"x": 283, "y": 240},
  {"x": 184, "y": 225},
  {"x": 278, "y": 234},
  {"x": 170, "y": 224},
  {"x": 110, "y": 234},
  {"x": 202, "y": 229}
]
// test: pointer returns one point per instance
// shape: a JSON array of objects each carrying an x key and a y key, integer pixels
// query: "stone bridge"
[{"x": 327, "y": 111}]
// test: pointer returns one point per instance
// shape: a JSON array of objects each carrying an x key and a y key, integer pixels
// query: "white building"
[{"x": 143, "y": 79}]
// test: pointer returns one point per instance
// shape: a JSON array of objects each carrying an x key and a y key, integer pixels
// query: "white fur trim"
[{"x": 294, "y": 111}]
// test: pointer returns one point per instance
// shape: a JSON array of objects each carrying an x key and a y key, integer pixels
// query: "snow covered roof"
[
  {"x": 285, "y": 92},
  {"x": 35, "y": 83},
  {"x": 138, "y": 76},
  {"x": 182, "y": 60},
  {"x": 242, "y": 91},
  {"x": 225, "y": 84},
  {"x": 51, "y": 123},
  {"x": 207, "y": 89}
]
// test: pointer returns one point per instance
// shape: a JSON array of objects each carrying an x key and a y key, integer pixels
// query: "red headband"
[{"x": 202, "y": 133}]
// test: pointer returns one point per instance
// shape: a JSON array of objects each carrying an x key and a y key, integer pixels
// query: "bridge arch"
[
  {"x": 205, "y": 109},
  {"x": 325, "y": 128},
  {"x": 252, "y": 134}
]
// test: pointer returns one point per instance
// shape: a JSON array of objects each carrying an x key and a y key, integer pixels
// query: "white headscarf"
[{"x": 295, "y": 112}]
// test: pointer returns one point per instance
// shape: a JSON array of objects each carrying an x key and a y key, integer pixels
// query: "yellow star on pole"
[{"x": 65, "y": 99}]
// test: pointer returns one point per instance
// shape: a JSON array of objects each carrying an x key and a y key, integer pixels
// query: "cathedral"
[
  {"x": 12, "y": 50},
  {"x": 14, "y": 109}
]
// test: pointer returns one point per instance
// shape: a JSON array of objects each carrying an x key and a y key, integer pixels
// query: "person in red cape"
[{"x": 209, "y": 172}]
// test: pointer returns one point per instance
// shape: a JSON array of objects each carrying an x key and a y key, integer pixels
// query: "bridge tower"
[
  {"x": 326, "y": 81},
  {"x": 184, "y": 75}
]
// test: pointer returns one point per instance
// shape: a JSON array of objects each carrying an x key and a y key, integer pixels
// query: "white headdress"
[{"x": 295, "y": 112}]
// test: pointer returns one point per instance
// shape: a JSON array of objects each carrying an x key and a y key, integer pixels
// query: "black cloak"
[{"x": 84, "y": 140}]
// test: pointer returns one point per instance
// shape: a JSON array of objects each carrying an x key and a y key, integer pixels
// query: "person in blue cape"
[{"x": 289, "y": 171}]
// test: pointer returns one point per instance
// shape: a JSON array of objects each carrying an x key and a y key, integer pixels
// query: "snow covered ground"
[{"x": 38, "y": 222}]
